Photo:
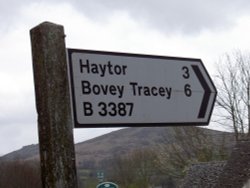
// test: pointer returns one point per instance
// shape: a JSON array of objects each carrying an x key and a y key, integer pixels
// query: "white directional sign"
[{"x": 118, "y": 89}]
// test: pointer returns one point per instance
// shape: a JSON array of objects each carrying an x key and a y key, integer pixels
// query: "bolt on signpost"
[{"x": 56, "y": 143}]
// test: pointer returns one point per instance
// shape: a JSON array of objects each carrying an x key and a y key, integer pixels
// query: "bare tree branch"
[{"x": 233, "y": 84}]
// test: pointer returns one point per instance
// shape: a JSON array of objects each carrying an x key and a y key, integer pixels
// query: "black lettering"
[
  {"x": 110, "y": 68},
  {"x": 186, "y": 74},
  {"x": 96, "y": 89},
  {"x": 103, "y": 70},
  {"x": 94, "y": 69},
  {"x": 87, "y": 109},
  {"x": 86, "y": 87},
  {"x": 112, "y": 111},
  {"x": 124, "y": 67},
  {"x": 112, "y": 90},
  {"x": 104, "y": 89},
  {"x": 120, "y": 90},
  {"x": 187, "y": 90},
  {"x": 103, "y": 111},
  {"x": 169, "y": 92},
  {"x": 131, "y": 106},
  {"x": 139, "y": 90},
  {"x": 154, "y": 91},
  {"x": 122, "y": 109},
  {"x": 161, "y": 91},
  {"x": 146, "y": 91},
  {"x": 82, "y": 66},
  {"x": 133, "y": 84},
  {"x": 117, "y": 69}
]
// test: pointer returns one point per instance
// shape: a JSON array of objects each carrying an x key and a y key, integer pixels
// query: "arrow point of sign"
[{"x": 207, "y": 91}]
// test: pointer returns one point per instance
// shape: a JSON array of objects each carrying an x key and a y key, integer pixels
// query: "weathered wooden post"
[{"x": 53, "y": 106}]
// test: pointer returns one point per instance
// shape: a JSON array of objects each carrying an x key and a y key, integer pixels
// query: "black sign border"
[{"x": 70, "y": 51}]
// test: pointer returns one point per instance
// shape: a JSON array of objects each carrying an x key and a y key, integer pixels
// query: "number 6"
[{"x": 187, "y": 90}]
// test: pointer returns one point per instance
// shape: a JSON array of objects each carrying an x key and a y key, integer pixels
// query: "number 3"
[{"x": 186, "y": 74}]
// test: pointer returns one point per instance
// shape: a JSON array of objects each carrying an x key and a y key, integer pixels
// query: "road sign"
[
  {"x": 100, "y": 176},
  {"x": 118, "y": 89},
  {"x": 107, "y": 185}
]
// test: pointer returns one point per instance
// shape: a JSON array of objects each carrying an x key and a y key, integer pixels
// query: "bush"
[{"x": 19, "y": 174}]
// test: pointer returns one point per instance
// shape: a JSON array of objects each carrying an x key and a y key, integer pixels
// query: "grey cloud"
[
  {"x": 170, "y": 16},
  {"x": 9, "y": 10},
  {"x": 167, "y": 15}
]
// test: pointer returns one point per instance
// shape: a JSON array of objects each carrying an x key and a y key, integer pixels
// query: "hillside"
[
  {"x": 120, "y": 141},
  {"x": 107, "y": 146}
]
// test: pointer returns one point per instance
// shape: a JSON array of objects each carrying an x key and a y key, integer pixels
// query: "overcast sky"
[{"x": 200, "y": 29}]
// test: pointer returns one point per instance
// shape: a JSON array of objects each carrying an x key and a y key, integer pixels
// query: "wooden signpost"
[{"x": 56, "y": 143}]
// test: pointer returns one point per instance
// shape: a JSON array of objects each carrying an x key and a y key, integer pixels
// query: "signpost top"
[{"x": 119, "y": 89}]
